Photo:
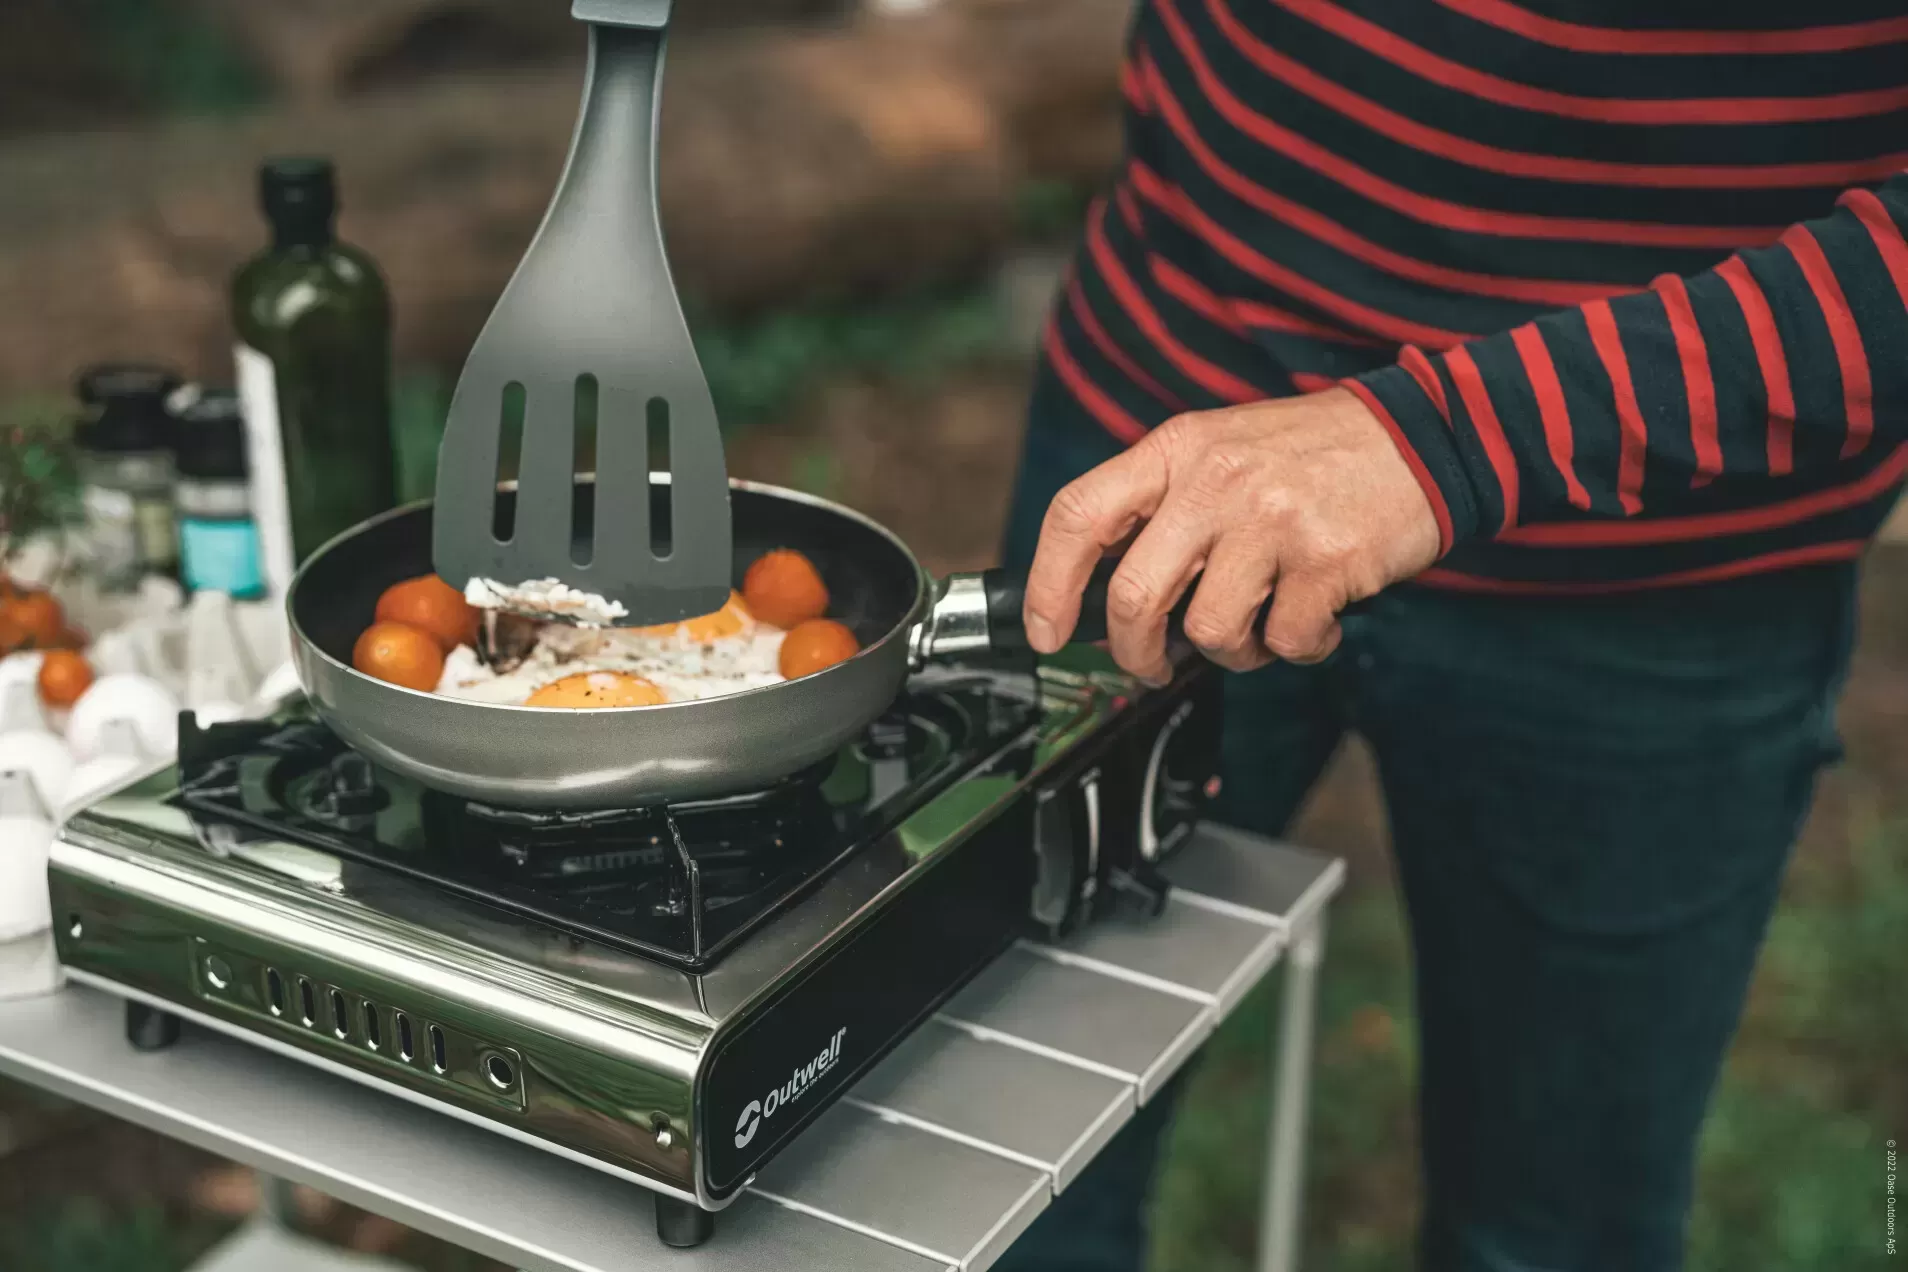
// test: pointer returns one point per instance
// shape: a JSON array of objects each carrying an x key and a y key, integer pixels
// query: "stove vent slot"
[{"x": 327, "y": 1017}]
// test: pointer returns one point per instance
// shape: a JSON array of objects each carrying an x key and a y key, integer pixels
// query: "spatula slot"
[
  {"x": 583, "y": 461},
  {"x": 503, "y": 513},
  {"x": 661, "y": 511}
]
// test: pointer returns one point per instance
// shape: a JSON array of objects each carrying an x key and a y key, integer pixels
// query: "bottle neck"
[{"x": 302, "y": 234}]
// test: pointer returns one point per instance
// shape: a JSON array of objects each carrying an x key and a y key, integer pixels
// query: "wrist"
[{"x": 1394, "y": 401}]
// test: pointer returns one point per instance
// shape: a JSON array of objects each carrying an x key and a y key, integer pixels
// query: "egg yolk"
[
  {"x": 730, "y": 620},
  {"x": 588, "y": 689}
]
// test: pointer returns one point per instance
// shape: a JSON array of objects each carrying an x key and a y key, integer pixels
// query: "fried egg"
[
  {"x": 707, "y": 656},
  {"x": 596, "y": 689}
]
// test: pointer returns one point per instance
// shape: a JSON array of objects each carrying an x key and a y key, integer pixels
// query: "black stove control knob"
[
  {"x": 1058, "y": 862},
  {"x": 1067, "y": 852},
  {"x": 1179, "y": 776},
  {"x": 1142, "y": 890}
]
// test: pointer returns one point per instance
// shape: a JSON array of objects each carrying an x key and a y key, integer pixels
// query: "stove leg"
[
  {"x": 149, "y": 1028},
  {"x": 682, "y": 1224}
]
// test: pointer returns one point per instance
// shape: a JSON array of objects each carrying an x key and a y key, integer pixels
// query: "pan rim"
[{"x": 898, "y": 632}]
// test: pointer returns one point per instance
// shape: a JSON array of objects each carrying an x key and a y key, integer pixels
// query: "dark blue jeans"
[{"x": 1591, "y": 805}]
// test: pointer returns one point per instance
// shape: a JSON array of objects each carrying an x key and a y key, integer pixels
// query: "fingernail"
[{"x": 1040, "y": 634}]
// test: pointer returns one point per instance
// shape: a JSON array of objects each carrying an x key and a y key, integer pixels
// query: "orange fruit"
[
  {"x": 813, "y": 646},
  {"x": 64, "y": 676},
  {"x": 399, "y": 655},
  {"x": 598, "y": 689},
  {"x": 784, "y": 588},
  {"x": 12, "y": 636},
  {"x": 35, "y": 619},
  {"x": 432, "y": 606}
]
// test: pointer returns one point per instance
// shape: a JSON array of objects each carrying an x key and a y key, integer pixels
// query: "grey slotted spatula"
[{"x": 592, "y": 298}]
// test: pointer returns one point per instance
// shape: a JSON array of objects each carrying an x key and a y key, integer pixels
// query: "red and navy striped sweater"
[{"x": 1627, "y": 280}]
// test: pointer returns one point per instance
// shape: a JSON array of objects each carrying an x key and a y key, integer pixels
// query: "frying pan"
[{"x": 553, "y": 757}]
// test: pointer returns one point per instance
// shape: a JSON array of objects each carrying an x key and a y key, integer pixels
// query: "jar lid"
[
  {"x": 210, "y": 436},
  {"x": 123, "y": 407}
]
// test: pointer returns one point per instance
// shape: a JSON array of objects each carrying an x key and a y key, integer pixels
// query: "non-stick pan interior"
[{"x": 872, "y": 581}]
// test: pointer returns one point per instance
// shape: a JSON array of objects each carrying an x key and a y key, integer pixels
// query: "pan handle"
[
  {"x": 975, "y": 613},
  {"x": 1007, "y": 590}
]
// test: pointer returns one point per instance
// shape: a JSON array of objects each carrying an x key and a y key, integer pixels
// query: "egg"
[
  {"x": 597, "y": 689},
  {"x": 713, "y": 654}
]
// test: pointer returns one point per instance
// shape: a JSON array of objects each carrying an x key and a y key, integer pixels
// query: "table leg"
[
  {"x": 1285, "y": 1149},
  {"x": 276, "y": 1205}
]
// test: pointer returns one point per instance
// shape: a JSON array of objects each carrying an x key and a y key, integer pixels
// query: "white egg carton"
[{"x": 156, "y": 653}]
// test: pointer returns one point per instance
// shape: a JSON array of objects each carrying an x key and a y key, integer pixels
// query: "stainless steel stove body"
[{"x": 681, "y": 1069}]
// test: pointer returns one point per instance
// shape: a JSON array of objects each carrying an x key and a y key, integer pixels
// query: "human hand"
[{"x": 1305, "y": 499}]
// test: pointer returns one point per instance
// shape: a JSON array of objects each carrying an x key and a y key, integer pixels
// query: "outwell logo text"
[{"x": 798, "y": 1084}]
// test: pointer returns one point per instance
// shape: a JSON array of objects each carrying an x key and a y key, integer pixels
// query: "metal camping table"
[{"x": 935, "y": 1162}]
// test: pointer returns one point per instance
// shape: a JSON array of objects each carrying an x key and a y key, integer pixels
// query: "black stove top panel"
[{"x": 680, "y": 883}]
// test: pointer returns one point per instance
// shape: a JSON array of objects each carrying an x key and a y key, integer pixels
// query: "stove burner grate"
[{"x": 680, "y": 883}]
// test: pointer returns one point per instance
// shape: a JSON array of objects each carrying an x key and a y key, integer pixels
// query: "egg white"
[{"x": 682, "y": 667}]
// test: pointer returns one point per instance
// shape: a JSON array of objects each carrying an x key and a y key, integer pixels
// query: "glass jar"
[
  {"x": 126, "y": 472},
  {"x": 218, "y": 539}
]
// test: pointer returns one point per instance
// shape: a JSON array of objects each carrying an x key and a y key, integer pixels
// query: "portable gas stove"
[{"x": 668, "y": 994}]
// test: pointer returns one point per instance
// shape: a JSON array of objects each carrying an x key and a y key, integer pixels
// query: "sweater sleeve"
[{"x": 1784, "y": 361}]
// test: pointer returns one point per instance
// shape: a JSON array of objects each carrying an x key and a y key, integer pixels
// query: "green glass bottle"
[{"x": 314, "y": 372}]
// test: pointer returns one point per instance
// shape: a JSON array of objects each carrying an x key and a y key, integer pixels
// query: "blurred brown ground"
[{"x": 862, "y": 157}]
